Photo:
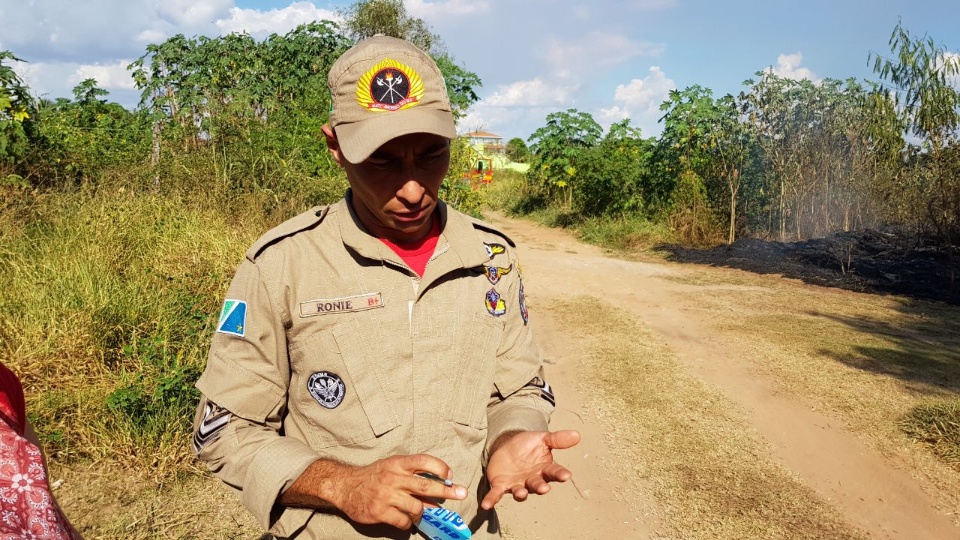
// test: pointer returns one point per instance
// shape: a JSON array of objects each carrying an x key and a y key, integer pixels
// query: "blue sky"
[{"x": 614, "y": 59}]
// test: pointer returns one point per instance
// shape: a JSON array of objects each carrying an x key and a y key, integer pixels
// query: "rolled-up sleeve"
[{"x": 237, "y": 431}]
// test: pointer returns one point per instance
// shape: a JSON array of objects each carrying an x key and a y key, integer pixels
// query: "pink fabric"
[{"x": 27, "y": 509}]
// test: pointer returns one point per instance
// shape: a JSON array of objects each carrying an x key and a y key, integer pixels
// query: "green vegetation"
[
  {"x": 109, "y": 306},
  {"x": 120, "y": 229},
  {"x": 784, "y": 159}
]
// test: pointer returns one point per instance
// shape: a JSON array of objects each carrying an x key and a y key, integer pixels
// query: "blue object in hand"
[{"x": 442, "y": 524}]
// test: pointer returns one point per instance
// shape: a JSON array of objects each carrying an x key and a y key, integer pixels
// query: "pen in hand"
[{"x": 430, "y": 476}]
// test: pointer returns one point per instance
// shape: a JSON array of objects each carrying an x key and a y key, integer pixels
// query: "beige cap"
[{"x": 383, "y": 88}]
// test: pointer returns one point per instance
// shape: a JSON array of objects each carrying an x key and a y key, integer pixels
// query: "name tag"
[{"x": 349, "y": 304}]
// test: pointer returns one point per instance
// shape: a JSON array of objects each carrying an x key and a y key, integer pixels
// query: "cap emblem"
[{"x": 389, "y": 86}]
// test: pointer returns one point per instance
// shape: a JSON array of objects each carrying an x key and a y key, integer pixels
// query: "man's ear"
[{"x": 333, "y": 145}]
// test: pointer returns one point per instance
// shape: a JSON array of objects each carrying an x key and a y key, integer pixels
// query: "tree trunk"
[{"x": 155, "y": 154}]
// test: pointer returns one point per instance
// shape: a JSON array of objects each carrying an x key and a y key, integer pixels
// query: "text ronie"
[{"x": 350, "y": 304}]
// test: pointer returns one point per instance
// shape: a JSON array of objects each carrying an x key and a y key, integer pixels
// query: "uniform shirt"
[{"x": 329, "y": 346}]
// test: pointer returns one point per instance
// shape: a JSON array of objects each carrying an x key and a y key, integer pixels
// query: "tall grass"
[
  {"x": 510, "y": 193},
  {"x": 108, "y": 302}
]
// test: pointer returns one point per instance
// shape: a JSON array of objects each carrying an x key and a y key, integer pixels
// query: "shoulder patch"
[
  {"x": 479, "y": 225},
  {"x": 292, "y": 226}
]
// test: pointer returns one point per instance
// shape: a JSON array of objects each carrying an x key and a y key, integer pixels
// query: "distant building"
[
  {"x": 490, "y": 143},
  {"x": 489, "y": 154}
]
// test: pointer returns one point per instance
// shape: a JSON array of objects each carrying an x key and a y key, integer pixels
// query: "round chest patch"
[{"x": 327, "y": 388}]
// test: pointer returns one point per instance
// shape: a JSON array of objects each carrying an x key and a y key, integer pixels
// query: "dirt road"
[{"x": 872, "y": 493}]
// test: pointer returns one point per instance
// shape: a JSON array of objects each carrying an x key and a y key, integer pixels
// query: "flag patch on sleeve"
[{"x": 233, "y": 318}]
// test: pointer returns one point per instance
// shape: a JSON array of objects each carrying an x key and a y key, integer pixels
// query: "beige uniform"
[{"x": 342, "y": 352}]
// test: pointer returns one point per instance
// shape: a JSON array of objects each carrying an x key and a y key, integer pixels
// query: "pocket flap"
[{"x": 366, "y": 373}]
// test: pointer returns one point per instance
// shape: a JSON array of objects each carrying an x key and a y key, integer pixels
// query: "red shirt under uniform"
[
  {"x": 417, "y": 254},
  {"x": 27, "y": 509}
]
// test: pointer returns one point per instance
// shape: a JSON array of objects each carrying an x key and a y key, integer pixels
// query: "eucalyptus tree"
[
  {"x": 923, "y": 77},
  {"x": 820, "y": 143},
  {"x": 767, "y": 111}
]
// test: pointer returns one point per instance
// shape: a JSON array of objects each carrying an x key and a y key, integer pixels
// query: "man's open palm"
[{"x": 523, "y": 464}]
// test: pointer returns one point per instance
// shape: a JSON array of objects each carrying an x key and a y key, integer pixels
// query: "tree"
[
  {"x": 15, "y": 109},
  {"x": 87, "y": 99},
  {"x": 460, "y": 84},
  {"x": 612, "y": 177},
  {"x": 923, "y": 76},
  {"x": 368, "y": 18},
  {"x": 711, "y": 148},
  {"x": 517, "y": 150},
  {"x": 556, "y": 147},
  {"x": 263, "y": 100}
]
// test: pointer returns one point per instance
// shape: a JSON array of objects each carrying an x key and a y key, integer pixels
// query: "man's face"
[{"x": 395, "y": 189}]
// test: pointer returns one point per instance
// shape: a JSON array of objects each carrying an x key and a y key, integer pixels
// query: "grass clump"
[
  {"x": 109, "y": 303},
  {"x": 630, "y": 233},
  {"x": 937, "y": 425},
  {"x": 510, "y": 193}
]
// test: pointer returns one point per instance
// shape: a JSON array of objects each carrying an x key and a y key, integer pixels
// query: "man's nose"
[{"x": 411, "y": 191}]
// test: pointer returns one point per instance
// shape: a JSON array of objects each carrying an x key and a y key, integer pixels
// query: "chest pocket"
[
  {"x": 477, "y": 354},
  {"x": 337, "y": 386}
]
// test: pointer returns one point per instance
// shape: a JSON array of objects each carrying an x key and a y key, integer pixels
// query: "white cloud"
[
  {"x": 150, "y": 36},
  {"x": 520, "y": 107},
  {"x": 640, "y": 101},
  {"x": 263, "y": 23},
  {"x": 508, "y": 123},
  {"x": 109, "y": 77},
  {"x": 192, "y": 13},
  {"x": 533, "y": 93},
  {"x": 788, "y": 67},
  {"x": 596, "y": 50}
]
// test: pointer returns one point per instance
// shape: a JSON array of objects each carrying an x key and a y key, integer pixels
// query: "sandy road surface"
[{"x": 870, "y": 491}]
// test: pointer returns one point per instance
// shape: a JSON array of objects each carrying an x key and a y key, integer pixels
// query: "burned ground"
[{"x": 883, "y": 261}]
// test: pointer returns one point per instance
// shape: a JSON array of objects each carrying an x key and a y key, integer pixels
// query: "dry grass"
[
  {"x": 109, "y": 501},
  {"x": 712, "y": 476},
  {"x": 874, "y": 362}
]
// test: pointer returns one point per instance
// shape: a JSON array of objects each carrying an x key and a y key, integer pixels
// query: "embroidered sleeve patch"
[
  {"x": 215, "y": 419},
  {"x": 494, "y": 249},
  {"x": 523, "y": 305},
  {"x": 545, "y": 391},
  {"x": 233, "y": 318},
  {"x": 495, "y": 304},
  {"x": 494, "y": 273}
]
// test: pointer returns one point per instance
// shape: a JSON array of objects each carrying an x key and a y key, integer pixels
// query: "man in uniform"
[{"x": 366, "y": 343}]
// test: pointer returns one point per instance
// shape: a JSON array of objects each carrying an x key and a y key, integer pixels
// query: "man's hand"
[
  {"x": 521, "y": 463},
  {"x": 386, "y": 491}
]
